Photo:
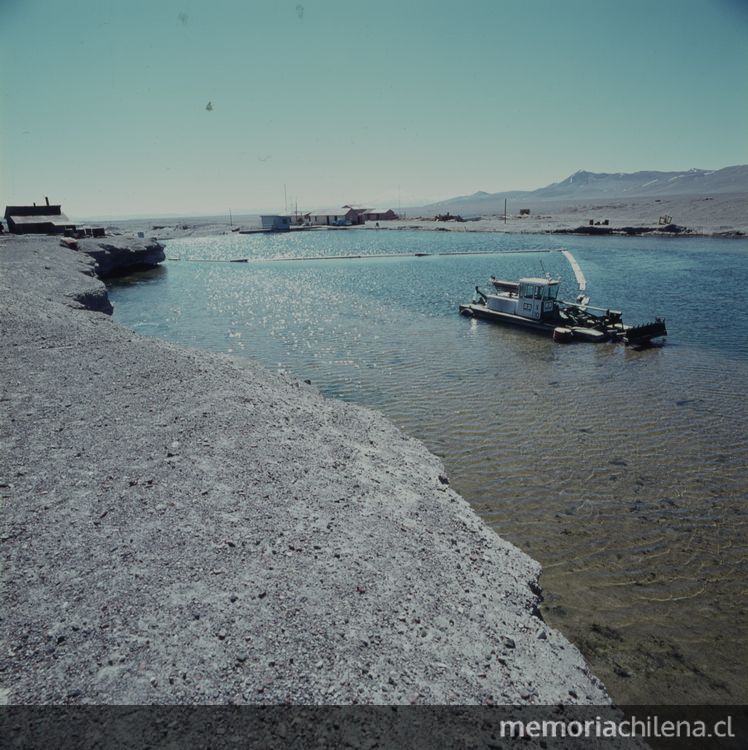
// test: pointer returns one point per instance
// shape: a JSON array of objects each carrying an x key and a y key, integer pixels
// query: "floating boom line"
[
  {"x": 581, "y": 281},
  {"x": 365, "y": 256}
]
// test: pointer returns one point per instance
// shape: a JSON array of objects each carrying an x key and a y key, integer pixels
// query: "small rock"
[{"x": 508, "y": 642}]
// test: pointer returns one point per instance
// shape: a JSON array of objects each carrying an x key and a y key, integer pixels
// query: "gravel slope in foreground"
[{"x": 184, "y": 527}]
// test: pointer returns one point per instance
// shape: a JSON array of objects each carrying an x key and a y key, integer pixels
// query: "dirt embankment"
[{"x": 184, "y": 527}]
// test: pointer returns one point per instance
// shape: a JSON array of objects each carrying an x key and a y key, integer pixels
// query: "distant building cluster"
[
  {"x": 49, "y": 219},
  {"x": 347, "y": 216},
  {"x": 335, "y": 217}
]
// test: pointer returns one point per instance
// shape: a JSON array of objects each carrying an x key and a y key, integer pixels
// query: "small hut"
[{"x": 47, "y": 219}]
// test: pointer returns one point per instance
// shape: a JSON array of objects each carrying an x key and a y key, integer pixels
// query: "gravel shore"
[{"x": 185, "y": 527}]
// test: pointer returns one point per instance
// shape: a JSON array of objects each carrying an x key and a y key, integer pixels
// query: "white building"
[{"x": 275, "y": 222}]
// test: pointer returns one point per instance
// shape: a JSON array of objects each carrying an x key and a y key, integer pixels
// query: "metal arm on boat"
[{"x": 582, "y": 298}]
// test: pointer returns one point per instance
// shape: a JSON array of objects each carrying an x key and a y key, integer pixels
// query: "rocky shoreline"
[
  {"x": 542, "y": 227},
  {"x": 181, "y": 527}
]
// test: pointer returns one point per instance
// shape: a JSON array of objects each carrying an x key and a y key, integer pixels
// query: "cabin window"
[{"x": 552, "y": 292}]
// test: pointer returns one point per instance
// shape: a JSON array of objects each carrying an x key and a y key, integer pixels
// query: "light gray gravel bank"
[{"x": 184, "y": 527}]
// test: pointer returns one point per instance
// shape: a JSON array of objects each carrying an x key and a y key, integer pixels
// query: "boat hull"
[
  {"x": 481, "y": 311},
  {"x": 577, "y": 333}
]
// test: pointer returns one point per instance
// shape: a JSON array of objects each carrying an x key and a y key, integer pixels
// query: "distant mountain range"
[{"x": 602, "y": 185}]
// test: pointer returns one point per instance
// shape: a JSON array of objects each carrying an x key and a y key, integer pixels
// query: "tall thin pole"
[
  {"x": 285, "y": 197},
  {"x": 504, "y": 210},
  {"x": 231, "y": 220}
]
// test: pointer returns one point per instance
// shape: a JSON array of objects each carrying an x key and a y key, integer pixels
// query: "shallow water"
[{"x": 622, "y": 472}]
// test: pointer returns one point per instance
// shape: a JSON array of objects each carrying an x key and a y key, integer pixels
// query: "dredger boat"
[{"x": 532, "y": 302}]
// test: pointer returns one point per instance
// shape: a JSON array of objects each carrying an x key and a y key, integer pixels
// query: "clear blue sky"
[{"x": 103, "y": 104}]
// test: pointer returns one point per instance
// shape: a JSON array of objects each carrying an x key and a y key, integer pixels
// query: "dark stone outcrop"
[
  {"x": 122, "y": 255},
  {"x": 96, "y": 300},
  {"x": 669, "y": 229},
  {"x": 585, "y": 230},
  {"x": 673, "y": 229}
]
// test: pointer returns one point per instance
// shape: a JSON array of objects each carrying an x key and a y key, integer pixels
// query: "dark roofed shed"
[{"x": 47, "y": 219}]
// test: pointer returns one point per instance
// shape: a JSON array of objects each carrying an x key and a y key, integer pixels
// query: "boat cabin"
[
  {"x": 533, "y": 298},
  {"x": 537, "y": 297}
]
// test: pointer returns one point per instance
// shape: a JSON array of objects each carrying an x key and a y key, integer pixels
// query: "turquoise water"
[{"x": 622, "y": 472}]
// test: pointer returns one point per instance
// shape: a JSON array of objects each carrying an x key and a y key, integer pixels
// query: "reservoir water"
[{"x": 623, "y": 472}]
